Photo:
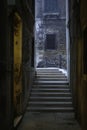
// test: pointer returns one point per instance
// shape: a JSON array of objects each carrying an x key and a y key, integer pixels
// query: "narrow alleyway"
[
  {"x": 50, "y": 104},
  {"x": 37, "y": 34}
]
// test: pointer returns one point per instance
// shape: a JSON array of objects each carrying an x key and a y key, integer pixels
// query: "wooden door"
[{"x": 17, "y": 64}]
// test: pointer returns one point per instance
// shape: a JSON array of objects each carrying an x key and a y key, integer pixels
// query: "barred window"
[
  {"x": 50, "y": 41},
  {"x": 50, "y": 6}
]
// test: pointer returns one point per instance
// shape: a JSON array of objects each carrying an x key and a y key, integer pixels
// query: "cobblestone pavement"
[{"x": 48, "y": 121}]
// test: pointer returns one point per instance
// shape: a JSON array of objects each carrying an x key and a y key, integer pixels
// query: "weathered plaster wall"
[{"x": 46, "y": 24}]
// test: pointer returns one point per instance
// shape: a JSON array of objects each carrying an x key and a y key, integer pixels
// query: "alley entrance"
[{"x": 51, "y": 34}]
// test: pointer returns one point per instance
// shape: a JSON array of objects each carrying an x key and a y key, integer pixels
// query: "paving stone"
[{"x": 49, "y": 121}]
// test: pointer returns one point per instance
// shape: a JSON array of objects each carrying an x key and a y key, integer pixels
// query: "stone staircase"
[{"x": 50, "y": 92}]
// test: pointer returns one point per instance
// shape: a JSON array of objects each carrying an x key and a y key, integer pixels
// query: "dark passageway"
[
  {"x": 43, "y": 75},
  {"x": 49, "y": 121}
]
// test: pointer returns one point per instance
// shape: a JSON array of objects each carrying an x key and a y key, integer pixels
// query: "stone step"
[
  {"x": 51, "y": 82},
  {"x": 47, "y": 70},
  {"x": 49, "y": 73},
  {"x": 50, "y": 109},
  {"x": 52, "y": 79},
  {"x": 50, "y": 104},
  {"x": 54, "y": 94},
  {"x": 51, "y": 89},
  {"x": 58, "y": 99},
  {"x": 51, "y": 76},
  {"x": 50, "y": 86}
]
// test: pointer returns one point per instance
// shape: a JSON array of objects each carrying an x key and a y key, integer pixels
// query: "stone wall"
[{"x": 51, "y": 24}]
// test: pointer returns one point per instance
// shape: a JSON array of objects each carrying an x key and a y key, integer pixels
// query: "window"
[
  {"x": 85, "y": 50},
  {"x": 50, "y": 42},
  {"x": 50, "y": 6}
]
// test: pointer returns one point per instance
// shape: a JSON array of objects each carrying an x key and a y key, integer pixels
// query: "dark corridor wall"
[
  {"x": 4, "y": 93},
  {"x": 78, "y": 56},
  {"x": 15, "y": 32}
]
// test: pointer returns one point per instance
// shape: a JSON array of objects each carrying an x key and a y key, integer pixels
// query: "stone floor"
[{"x": 48, "y": 121}]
